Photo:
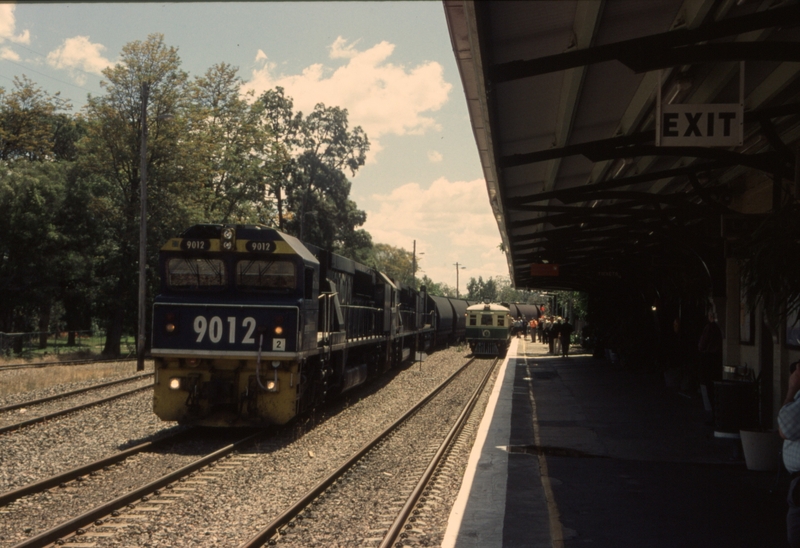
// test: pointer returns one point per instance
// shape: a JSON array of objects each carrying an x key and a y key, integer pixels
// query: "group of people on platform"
[{"x": 553, "y": 331}]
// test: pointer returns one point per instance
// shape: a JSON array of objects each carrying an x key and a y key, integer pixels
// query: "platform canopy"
[{"x": 562, "y": 97}]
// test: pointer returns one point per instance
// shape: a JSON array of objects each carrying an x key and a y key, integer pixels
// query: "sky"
[{"x": 390, "y": 64}]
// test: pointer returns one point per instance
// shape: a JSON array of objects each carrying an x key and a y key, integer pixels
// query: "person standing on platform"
[
  {"x": 540, "y": 329},
  {"x": 555, "y": 342},
  {"x": 710, "y": 347},
  {"x": 548, "y": 325},
  {"x": 789, "y": 429},
  {"x": 532, "y": 329},
  {"x": 566, "y": 337}
]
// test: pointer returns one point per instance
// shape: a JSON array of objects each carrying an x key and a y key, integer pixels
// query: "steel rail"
[
  {"x": 11, "y": 366},
  {"x": 260, "y": 538},
  {"x": 396, "y": 528},
  {"x": 72, "y": 393},
  {"x": 55, "y": 414},
  {"x": 52, "y": 535},
  {"x": 42, "y": 485}
]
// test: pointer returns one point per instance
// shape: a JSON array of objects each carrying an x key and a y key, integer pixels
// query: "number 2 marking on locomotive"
[{"x": 215, "y": 330}]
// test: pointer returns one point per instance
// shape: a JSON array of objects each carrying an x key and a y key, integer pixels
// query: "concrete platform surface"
[{"x": 576, "y": 452}]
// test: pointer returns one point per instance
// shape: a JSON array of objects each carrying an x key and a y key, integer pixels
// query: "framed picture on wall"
[
  {"x": 747, "y": 327},
  {"x": 793, "y": 329}
]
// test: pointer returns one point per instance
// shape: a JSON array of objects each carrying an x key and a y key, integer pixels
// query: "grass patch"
[{"x": 17, "y": 381}]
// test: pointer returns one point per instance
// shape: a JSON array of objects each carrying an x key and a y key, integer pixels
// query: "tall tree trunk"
[
  {"x": 114, "y": 333},
  {"x": 44, "y": 324}
]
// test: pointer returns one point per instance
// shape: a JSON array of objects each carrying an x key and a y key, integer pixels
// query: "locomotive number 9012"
[{"x": 215, "y": 329}]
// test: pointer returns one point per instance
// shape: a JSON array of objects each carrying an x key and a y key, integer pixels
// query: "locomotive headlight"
[
  {"x": 278, "y": 330},
  {"x": 170, "y": 327},
  {"x": 175, "y": 383},
  {"x": 227, "y": 234},
  {"x": 272, "y": 386}
]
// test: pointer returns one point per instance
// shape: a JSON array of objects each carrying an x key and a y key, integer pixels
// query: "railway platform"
[{"x": 579, "y": 452}]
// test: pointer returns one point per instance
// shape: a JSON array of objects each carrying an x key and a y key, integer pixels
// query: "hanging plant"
[{"x": 770, "y": 264}]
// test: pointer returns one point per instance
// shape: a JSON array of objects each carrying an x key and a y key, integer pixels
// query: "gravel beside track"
[
  {"x": 41, "y": 409},
  {"x": 42, "y": 450},
  {"x": 34, "y": 514},
  {"x": 229, "y": 507}
]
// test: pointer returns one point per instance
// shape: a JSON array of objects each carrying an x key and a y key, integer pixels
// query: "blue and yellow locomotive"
[
  {"x": 253, "y": 327},
  {"x": 488, "y": 330}
]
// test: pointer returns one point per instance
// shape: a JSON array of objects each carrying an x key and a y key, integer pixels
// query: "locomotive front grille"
[{"x": 486, "y": 348}]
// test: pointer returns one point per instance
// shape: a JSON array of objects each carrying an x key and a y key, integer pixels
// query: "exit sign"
[{"x": 700, "y": 125}]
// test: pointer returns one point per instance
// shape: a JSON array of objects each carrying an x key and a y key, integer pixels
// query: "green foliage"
[
  {"x": 226, "y": 130},
  {"x": 478, "y": 290},
  {"x": 395, "y": 262},
  {"x": 437, "y": 289},
  {"x": 31, "y": 125},
  {"x": 31, "y": 246}
]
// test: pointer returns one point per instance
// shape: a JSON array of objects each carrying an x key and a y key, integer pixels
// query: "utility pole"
[
  {"x": 414, "y": 264},
  {"x": 458, "y": 267},
  {"x": 140, "y": 342}
]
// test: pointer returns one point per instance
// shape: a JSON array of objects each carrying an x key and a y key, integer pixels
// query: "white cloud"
[
  {"x": 381, "y": 97},
  {"x": 8, "y": 26},
  {"x": 434, "y": 156},
  {"x": 9, "y": 54},
  {"x": 451, "y": 222},
  {"x": 79, "y": 55},
  {"x": 340, "y": 49}
]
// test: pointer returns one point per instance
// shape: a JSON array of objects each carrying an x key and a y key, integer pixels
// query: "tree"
[
  {"x": 226, "y": 130},
  {"x": 395, "y": 262},
  {"x": 31, "y": 124},
  {"x": 437, "y": 289},
  {"x": 148, "y": 72},
  {"x": 478, "y": 290},
  {"x": 282, "y": 131},
  {"x": 31, "y": 248}
]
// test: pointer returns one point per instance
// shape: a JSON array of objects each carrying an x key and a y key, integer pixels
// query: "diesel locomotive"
[{"x": 253, "y": 327}]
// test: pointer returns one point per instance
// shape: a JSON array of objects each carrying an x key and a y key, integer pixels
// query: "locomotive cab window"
[
  {"x": 265, "y": 275},
  {"x": 472, "y": 320},
  {"x": 486, "y": 319},
  {"x": 501, "y": 321},
  {"x": 196, "y": 273}
]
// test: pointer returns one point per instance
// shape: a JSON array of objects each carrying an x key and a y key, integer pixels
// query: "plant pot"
[{"x": 762, "y": 450}]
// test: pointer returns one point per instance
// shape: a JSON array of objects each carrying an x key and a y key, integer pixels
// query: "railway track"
[
  {"x": 9, "y": 427},
  {"x": 97, "y": 521},
  {"x": 46, "y": 399},
  {"x": 32, "y": 365},
  {"x": 277, "y": 468},
  {"x": 63, "y": 478},
  {"x": 305, "y": 523}
]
